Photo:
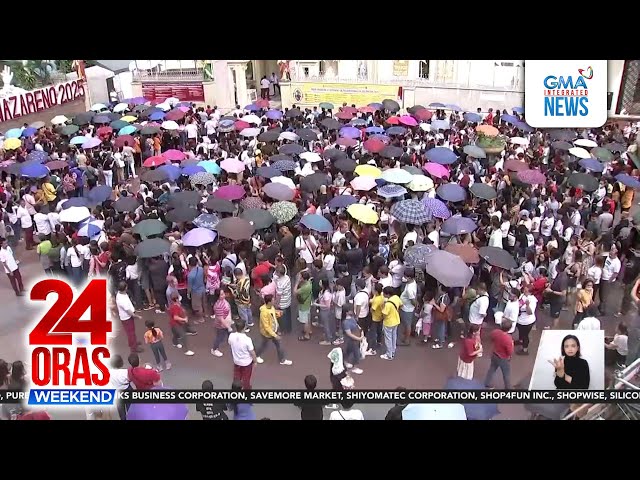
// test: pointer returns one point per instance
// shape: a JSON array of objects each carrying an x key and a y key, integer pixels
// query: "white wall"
[
  {"x": 122, "y": 83},
  {"x": 615, "y": 69}
]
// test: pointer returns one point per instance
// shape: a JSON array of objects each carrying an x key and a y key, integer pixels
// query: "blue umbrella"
[
  {"x": 591, "y": 164},
  {"x": 441, "y": 155},
  {"x": 342, "y": 201},
  {"x": 198, "y": 237},
  {"x": 284, "y": 165},
  {"x": 39, "y": 156},
  {"x": 210, "y": 166},
  {"x": 316, "y": 222},
  {"x": 268, "y": 172},
  {"x": 517, "y": 109},
  {"x": 128, "y": 130},
  {"x": 76, "y": 202},
  {"x": 628, "y": 180},
  {"x": 437, "y": 208},
  {"x": 274, "y": 114},
  {"x": 207, "y": 220},
  {"x": 459, "y": 225},
  {"x": 396, "y": 131},
  {"x": 392, "y": 191},
  {"x": 135, "y": 100},
  {"x": 451, "y": 192},
  {"x": 437, "y": 105},
  {"x": 90, "y": 230},
  {"x": 475, "y": 411},
  {"x": 472, "y": 117},
  {"x": 192, "y": 169},
  {"x": 523, "y": 126},
  {"x": 27, "y": 132},
  {"x": 101, "y": 119},
  {"x": 252, "y": 108},
  {"x": 100, "y": 193},
  {"x": 13, "y": 133},
  {"x": 172, "y": 171},
  {"x": 416, "y": 255},
  {"x": 410, "y": 211},
  {"x": 454, "y": 107},
  {"x": 381, "y": 182},
  {"x": 35, "y": 170},
  {"x": 374, "y": 130},
  {"x": 349, "y": 132},
  {"x": 509, "y": 119},
  {"x": 79, "y": 140},
  {"x": 155, "y": 116}
]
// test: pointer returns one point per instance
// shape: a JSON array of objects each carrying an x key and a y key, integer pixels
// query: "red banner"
[{"x": 186, "y": 92}]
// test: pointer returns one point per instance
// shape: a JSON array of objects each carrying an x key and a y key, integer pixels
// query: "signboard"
[
  {"x": 360, "y": 94},
  {"x": 401, "y": 68},
  {"x": 22, "y": 103},
  {"x": 186, "y": 92}
]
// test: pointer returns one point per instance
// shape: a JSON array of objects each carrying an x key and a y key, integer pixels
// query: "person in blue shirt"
[
  {"x": 196, "y": 289},
  {"x": 241, "y": 411}
]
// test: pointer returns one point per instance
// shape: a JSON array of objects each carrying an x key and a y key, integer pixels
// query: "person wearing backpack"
[{"x": 479, "y": 307}]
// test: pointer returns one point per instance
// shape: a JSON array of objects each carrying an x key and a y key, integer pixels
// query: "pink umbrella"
[
  {"x": 230, "y": 192},
  {"x": 344, "y": 115},
  {"x": 232, "y": 165},
  {"x": 174, "y": 155},
  {"x": 436, "y": 170},
  {"x": 351, "y": 110},
  {"x": 532, "y": 177},
  {"x": 184, "y": 109},
  {"x": 363, "y": 183},
  {"x": 92, "y": 142},
  {"x": 408, "y": 120},
  {"x": 347, "y": 142},
  {"x": 241, "y": 125}
]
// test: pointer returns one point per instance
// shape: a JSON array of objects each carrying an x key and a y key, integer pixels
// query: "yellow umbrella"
[
  {"x": 12, "y": 143},
  {"x": 129, "y": 118},
  {"x": 368, "y": 171},
  {"x": 362, "y": 213},
  {"x": 420, "y": 183}
]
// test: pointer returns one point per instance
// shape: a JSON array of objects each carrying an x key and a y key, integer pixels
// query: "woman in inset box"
[{"x": 572, "y": 372}]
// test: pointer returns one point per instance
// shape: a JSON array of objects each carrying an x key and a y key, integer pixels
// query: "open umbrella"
[
  {"x": 585, "y": 142},
  {"x": 390, "y": 105},
  {"x": 69, "y": 130},
  {"x": 149, "y": 227},
  {"x": 274, "y": 114},
  {"x": 451, "y": 192},
  {"x": 59, "y": 120},
  {"x": 313, "y": 182},
  {"x": 474, "y": 411},
  {"x": 293, "y": 112},
  {"x": 436, "y": 170},
  {"x": 316, "y": 222},
  {"x": 156, "y": 175},
  {"x": 283, "y": 211},
  {"x": 343, "y": 201},
  {"x": 278, "y": 191},
  {"x": 173, "y": 171},
  {"x": 391, "y": 151},
  {"x": 519, "y": 141},
  {"x": 482, "y": 190},
  {"x": 487, "y": 130},
  {"x": 74, "y": 214},
  {"x": 232, "y": 165},
  {"x": 472, "y": 117},
  {"x": 311, "y": 157},
  {"x": 91, "y": 142},
  {"x": 57, "y": 165},
  {"x": 100, "y": 193},
  {"x": 515, "y": 165},
  {"x": 34, "y": 170},
  {"x": 91, "y": 230},
  {"x": 448, "y": 269},
  {"x": 206, "y": 178},
  {"x": 268, "y": 172},
  {"x": 410, "y": 211},
  {"x": 363, "y": 213},
  {"x": 602, "y": 154},
  {"x": 368, "y": 171},
  {"x": 396, "y": 131},
  {"x": 126, "y": 204},
  {"x": 373, "y": 145},
  {"x": 230, "y": 192},
  {"x": 153, "y": 247},
  {"x": 628, "y": 181},
  {"x": 416, "y": 255},
  {"x": 498, "y": 257},
  {"x": 591, "y": 164},
  {"x": 615, "y": 147},
  {"x": 420, "y": 183},
  {"x": 474, "y": 151},
  {"x": 219, "y": 205},
  {"x": 285, "y": 165},
  {"x": 363, "y": 183},
  {"x": 291, "y": 149},
  {"x": 37, "y": 156},
  {"x": 183, "y": 198},
  {"x": 412, "y": 170},
  {"x": 459, "y": 225},
  {"x": 586, "y": 182},
  {"x": 326, "y": 106},
  {"x": 307, "y": 134},
  {"x": 182, "y": 214},
  {"x": 38, "y": 125},
  {"x": 390, "y": 191},
  {"x": 349, "y": 132},
  {"x": 437, "y": 208},
  {"x": 468, "y": 253},
  {"x": 128, "y": 130},
  {"x": 235, "y": 228},
  {"x": 80, "y": 139},
  {"x": 579, "y": 152},
  {"x": 206, "y": 220},
  {"x": 397, "y": 175},
  {"x": 344, "y": 115},
  {"x": 76, "y": 202},
  {"x": 269, "y": 135},
  {"x": 564, "y": 135},
  {"x": 211, "y": 166},
  {"x": 408, "y": 120},
  {"x": 27, "y": 132},
  {"x": 258, "y": 217},
  {"x": 441, "y": 155},
  {"x": 532, "y": 177},
  {"x": 561, "y": 145},
  {"x": 198, "y": 237}
]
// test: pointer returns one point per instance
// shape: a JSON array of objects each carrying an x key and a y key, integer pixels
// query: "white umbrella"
[
  {"x": 172, "y": 101},
  {"x": 311, "y": 157},
  {"x": 121, "y": 107},
  {"x": 74, "y": 214},
  {"x": 284, "y": 181},
  {"x": 425, "y": 127},
  {"x": 98, "y": 107},
  {"x": 250, "y": 132},
  {"x": 252, "y": 119},
  {"x": 519, "y": 141},
  {"x": 305, "y": 171},
  {"x": 579, "y": 152},
  {"x": 165, "y": 107},
  {"x": 59, "y": 120},
  {"x": 170, "y": 125},
  {"x": 292, "y": 137},
  {"x": 434, "y": 411},
  {"x": 585, "y": 142}
]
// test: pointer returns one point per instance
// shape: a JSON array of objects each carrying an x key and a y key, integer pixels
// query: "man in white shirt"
[
  {"x": 384, "y": 278},
  {"x": 75, "y": 256},
  {"x": 610, "y": 273},
  {"x": 495, "y": 239},
  {"x": 43, "y": 226},
  {"x": 433, "y": 235},
  {"x": 10, "y": 265},
  {"x": 410, "y": 236},
  {"x": 275, "y": 82},
  {"x": 409, "y": 299},
  {"x": 306, "y": 245},
  {"x": 244, "y": 355},
  {"x": 361, "y": 309},
  {"x": 192, "y": 131},
  {"x": 526, "y": 319},
  {"x": 211, "y": 125},
  {"x": 264, "y": 88},
  {"x": 479, "y": 306},
  {"x": 126, "y": 314},
  {"x": 339, "y": 234},
  {"x": 546, "y": 226},
  {"x": 26, "y": 223}
]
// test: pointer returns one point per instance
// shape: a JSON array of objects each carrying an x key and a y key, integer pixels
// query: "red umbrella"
[
  {"x": 374, "y": 145},
  {"x": 423, "y": 114},
  {"x": 57, "y": 165},
  {"x": 351, "y": 110},
  {"x": 367, "y": 109},
  {"x": 174, "y": 115},
  {"x": 262, "y": 103},
  {"x": 125, "y": 138},
  {"x": 347, "y": 142},
  {"x": 241, "y": 125},
  {"x": 174, "y": 155},
  {"x": 105, "y": 131},
  {"x": 155, "y": 161},
  {"x": 515, "y": 166},
  {"x": 344, "y": 115},
  {"x": 393, "y": 121},
  {"x": 468, "y": 253}
]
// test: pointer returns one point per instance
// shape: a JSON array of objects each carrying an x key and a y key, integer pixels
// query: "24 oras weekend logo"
[
  {"x": 566, "y": 93},
  {"x": 69, "y": 349}
]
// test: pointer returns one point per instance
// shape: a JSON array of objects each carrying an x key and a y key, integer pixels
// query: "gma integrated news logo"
[
  {"x": 566, "y": 93},
  {"x": 69, "y": 345}
]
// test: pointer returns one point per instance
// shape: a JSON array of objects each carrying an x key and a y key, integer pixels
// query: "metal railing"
[{"x": 157, "y": 75}]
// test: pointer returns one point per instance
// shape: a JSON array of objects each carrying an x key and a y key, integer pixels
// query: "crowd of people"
[{"x": 357, "y": 227}]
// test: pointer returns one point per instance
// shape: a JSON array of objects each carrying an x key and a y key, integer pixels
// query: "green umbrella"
[
  {"x": 150, "y": 130},
  {"x": 326, "y": 105},
  {"x": 118, "y": 124},
  {"x": 283, "y": 211},
  {"x": 149, "y": 227},
  {"x": 69, "y": 129},
  {"x": 153, "y": 247},
  {"x": 602, "y": 154}
]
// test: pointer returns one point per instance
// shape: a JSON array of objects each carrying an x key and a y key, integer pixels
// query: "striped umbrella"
[
  {"x": 411, "y": 211},
  {"x": 438, "y": 208}
]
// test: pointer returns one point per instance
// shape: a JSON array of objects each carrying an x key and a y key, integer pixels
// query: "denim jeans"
[
  {"x": 264, "y": 341},
  {"x": 158, "y": 352},
  {"x": 76, "y": 275},
  {"x": 222, "y": 335},
  {"x": 390, "y": 340},
  {"x": 504, "y": 365},
  {"x": 328, "y": 323},
  {"x": 352, "y": 351},
  {"x": 244, "y": 312},
  {"x": 438, "y": 331},
  {"x": 285, "y": 320},
  {"x": 179, "y": 335}
]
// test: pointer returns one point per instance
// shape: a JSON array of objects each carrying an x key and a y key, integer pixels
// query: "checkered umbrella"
[
  {"x": 410, "y": 211},
  {"x": 438, "y": 208},
  {"x": 391, "y": 191}
]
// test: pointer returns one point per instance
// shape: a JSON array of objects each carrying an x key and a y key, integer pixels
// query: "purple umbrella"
[
  {"x": 459, "y": 225},
  {"x": 198, "y": 237},
  {"x": 438, "y": 209},
  {"x": 158, "y": 411},
  {"x": 349, "y": 132},
  {"x": 382, "y": 138},
  {"x": 278, "y": 191},
  {"x": 192, "y": 169},
  {"x": 523, "y": 126},
  {"x": 448, "y": 269},
  {"x": 100, "y": 193},
  {"x": 451, "y": 192},
  {"x": 342, "y": 201},
  {"x": 441, "y": 155},
  {"x": 374, "y": 130},
  {"x": 252, "y": 108},
  {"x": 135, "y": 101},
  {"x": 230, "y": 192},
  {"x": 91, "y": 142},
  {"x": 274, "y": 114},
  {"x": 532, "y": 177}
]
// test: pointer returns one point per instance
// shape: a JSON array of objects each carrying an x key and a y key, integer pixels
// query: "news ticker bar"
[{"x": 71, "y": 397}]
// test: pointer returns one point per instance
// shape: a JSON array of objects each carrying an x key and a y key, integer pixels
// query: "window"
[
  {"x": 306, "y": 71},
  {"x": 423, "y": 69}
]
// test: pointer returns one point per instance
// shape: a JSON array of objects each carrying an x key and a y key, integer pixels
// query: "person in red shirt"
[
  {"x": 143, "y": 378},
  {"x": 470, "y": 348},
  {"x": 502, "y": 353},
  {"x": 262, "y": 268},
  {"x": 178, "y": 321},
  {"x": 539, "y": 285},
  {"x": 33, "y": 415}
]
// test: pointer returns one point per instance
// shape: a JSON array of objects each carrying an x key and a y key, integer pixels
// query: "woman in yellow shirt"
[
  {"x": 584, "y": 299},
  {"x": 48, "y": 190},
  {"x": 376, "y": 304}
]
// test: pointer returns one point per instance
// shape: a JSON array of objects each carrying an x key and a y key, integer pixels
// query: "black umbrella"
[
  {"x": 69, "y": 129},
  {"x": 83, "y": 118},
  {"x": 268, "y": 148},
  {"x": 345, "y": 165},
  {"x": 148, "y": 112},
  {"x": 126, "y": 204},
  {"x": 307, "y": 134},
  {"x": 293, "y": 112},
  {"x": 221, "y": 205},
  {"x": 268, "y": 172},
  {"x": 101, "y": 119},
  {"x": 154, "y": 176},
  {"x": 183, "y": 198},
  {"x": 269, "y": 136},
  {"x": 498, "y": 257},
  {"x": 279, "y": 157},
  {"x": 182, "y": 214},
  {"x": 113, "y": 116},
  {"x": 586, "y": 182},
  {"x": 334, "y": 154},
  {"x": 615, "y": 147},
  {"x": 566, "y": 135},
  {"x": 258, "y": 217},
  {"x": 140, "y": 108},
  {"x": 415, "y": 108},
  {"x": 331, "y": 124},
  {"x": 291, "y": 149},
  {"x": 150, "y": 130},
  {"x": 153, "y": 247},
  {"x": 561, "y": 145},
  {"x": 412, "y": 170},
  {"x": 390, "y": 105},
  {"x": 482, "y": 190},
  {"x": 391, "y": 151},
  {"x": 313, "y": 182},
  {"x": 235, "y": 228}
]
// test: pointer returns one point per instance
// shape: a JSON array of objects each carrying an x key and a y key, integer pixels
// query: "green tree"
[{"x": 30, "y": 74}]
